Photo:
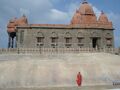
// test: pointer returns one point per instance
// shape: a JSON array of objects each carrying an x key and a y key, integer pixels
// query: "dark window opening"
[
  {"x": 68, "y": 40},
  {"x": 80, "y": 40},
  {"x": 109, "y": 42},
  {"x": 54, "y": 40},
  {"x": 40, "y": 39}
]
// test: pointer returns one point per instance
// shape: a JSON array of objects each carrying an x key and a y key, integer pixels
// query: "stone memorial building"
[{"x": 84, "y": 31}]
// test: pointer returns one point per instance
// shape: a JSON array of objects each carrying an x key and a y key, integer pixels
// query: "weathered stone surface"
[{"x": 58, "y": 70}]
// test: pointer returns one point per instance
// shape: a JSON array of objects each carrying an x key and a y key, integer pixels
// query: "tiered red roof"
[{"x": 86, "y": 18}]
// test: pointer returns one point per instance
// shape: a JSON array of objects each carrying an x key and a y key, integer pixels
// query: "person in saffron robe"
[{"x": 79, "y": 79}]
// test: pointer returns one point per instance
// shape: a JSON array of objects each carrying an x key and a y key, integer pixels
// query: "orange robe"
[{"x": 79, "y": 79}]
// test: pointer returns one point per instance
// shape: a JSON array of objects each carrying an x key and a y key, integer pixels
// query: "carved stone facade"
[{"x": 84, "y": 31}]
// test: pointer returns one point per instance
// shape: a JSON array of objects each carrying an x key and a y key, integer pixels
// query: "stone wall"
[{"x": 28, "y": 39}]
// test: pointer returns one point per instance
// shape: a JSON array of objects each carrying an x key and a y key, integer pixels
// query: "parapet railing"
[{"x": 57, "y": 50}]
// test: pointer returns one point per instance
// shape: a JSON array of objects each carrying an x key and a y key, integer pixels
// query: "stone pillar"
[
  {"x": 12, "y": 44},
  {"x": 9, "y": 42}
]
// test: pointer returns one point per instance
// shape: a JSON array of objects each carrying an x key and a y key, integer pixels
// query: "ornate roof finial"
[{"x": 84, "y": 2}]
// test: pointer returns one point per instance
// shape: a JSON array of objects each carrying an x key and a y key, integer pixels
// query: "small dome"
[
  {"x": 76, "y": 18},
  {"x": 103, "y": 17},
  {"x": 86, "y": 9}
]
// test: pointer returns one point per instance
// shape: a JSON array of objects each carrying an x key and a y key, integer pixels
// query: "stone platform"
[{"x": 58, "y": 70}]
